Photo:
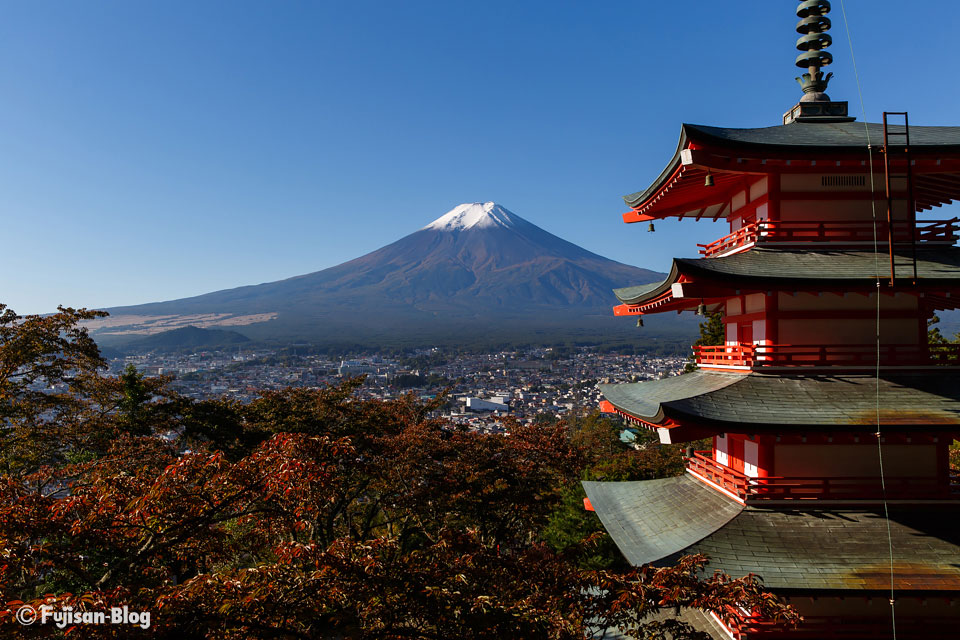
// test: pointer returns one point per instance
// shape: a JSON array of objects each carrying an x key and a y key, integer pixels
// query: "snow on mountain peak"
[{"x": 474, "y": 215}]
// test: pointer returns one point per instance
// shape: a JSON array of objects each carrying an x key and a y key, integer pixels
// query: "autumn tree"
[{"x": 47, "y": 364}]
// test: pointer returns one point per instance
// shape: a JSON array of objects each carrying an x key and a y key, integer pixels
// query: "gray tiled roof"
[
  {"x": 652, "y": 519},
  {"x": 827, "y": 549},
  {"x": 824, "y": 134},
  {"x": 822, "y": 267},
  {"x": 762, "y": 266},
  {"x": 656, "y": 521},
  {"x": 766, "y": 401},
  {"x": 644, "y": 399},
  {"x": 802, "y": 137},
  {"x": 633, "y": 293}
]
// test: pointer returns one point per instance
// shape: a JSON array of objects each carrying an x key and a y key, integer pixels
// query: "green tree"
[
  {"x": 934, "y": 336},
  {"x": 605, "y": 457},
  {"x": 939, "y": 347},
  {"x": 712, "y": 333}
]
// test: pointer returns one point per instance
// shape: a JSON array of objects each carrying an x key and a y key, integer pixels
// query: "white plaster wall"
[
  {"x": 758, "y": 188},
  {"x": 754, "y": 302}
]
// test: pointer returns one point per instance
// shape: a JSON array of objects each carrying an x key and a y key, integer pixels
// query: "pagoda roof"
[
  {"x": 842, "y": 549},
  {"x": 836, "y": 135},
  {"x": 759, "y": 402},
  {"x": 653, "y": 519},
  {"x": 796, "y": 140},
  {"x": 784, "y": 268}
]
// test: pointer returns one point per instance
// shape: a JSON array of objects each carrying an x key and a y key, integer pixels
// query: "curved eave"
[
  {"x": 676, "y": 175},
  {"x": 651, "y": 401},
  {"x": 635, "y": 199},
  {"x": 650, "y": 520},
  {"x": 786, "y": 270},
  {"x": 679, "y": 191},
  {"x": 648, "y": 292},
  {"x": 767, "y": 402}
]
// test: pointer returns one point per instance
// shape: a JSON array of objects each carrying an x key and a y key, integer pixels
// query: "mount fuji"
[{"x": 477, "y": 273}]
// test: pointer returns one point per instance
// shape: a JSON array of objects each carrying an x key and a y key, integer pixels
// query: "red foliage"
[{"x": 308, "y": 514}]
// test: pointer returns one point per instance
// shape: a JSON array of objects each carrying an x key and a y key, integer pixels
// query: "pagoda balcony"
[
  {"x": 742, "y": 625},
  {"x": 849, "y": 233},
  {"x": 752, "y": 356},
  {"x": 756, "y": 489}
]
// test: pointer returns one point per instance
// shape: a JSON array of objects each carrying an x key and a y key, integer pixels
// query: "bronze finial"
[{"x": 812, "y": 44}]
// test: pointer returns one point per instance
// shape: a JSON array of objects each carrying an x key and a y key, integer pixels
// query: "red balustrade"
[
  {"x": 842, "y": 232},
  {"x": 748, "y": 488},
  {"x": 836, "y": 627},
  {"x": 720, "y": 474},
  {"x": 739, "y": 238},
  {"x": 838, "y": 355},
  {"x": 731, "y": 355}
]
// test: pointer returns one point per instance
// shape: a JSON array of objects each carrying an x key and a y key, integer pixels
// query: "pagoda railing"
[
  {"x": 837, "y": 627},
  {"x": 842, "y": 232},
  {"x": 749, "y": 488},
  {"x": 836, "y": 355},
  {"x": 721, "y": 475}
]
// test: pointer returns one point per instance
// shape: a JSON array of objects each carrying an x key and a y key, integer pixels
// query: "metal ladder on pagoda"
[{"x": 900, "y": 148}]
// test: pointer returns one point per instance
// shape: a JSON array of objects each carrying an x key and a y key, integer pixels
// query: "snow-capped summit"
[{"x": 471, "y": 215}]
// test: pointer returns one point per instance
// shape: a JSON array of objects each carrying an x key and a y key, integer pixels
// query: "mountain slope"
[
  {"x": 478, "y": 268},
  {"x": 189, "y": 338}
]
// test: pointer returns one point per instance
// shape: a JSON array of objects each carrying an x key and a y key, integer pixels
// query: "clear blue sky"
[{"x": 153, "y": 150}]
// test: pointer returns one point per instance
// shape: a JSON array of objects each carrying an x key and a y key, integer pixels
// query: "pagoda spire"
[
  {"x": 812, "y": 44},
  {"x": 815, "y": 105}
]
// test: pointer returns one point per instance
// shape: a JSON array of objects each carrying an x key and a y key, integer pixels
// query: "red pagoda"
[{"x": 829, "y": 413}]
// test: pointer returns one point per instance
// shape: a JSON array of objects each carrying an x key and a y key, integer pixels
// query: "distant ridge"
[
  {"x": 189, "y": 337},
  {"x": 477, "y": 273}
]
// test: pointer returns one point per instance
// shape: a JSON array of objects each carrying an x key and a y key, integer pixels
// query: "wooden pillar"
[
  {"x": 773, "y": 197},
  {"x": 771, "y": 317}
]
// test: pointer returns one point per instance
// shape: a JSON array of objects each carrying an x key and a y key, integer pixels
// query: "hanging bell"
[
  {"x": 709, "y": 181},
  {"x": 650, "y": 229},
  {"x": 639, "y": 321},
  {"x": 701, "y": 309}
]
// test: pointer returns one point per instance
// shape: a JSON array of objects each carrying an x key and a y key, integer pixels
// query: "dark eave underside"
[
  {"x": 781, "y": 268},
  {"x": 766, "y": 401}
]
